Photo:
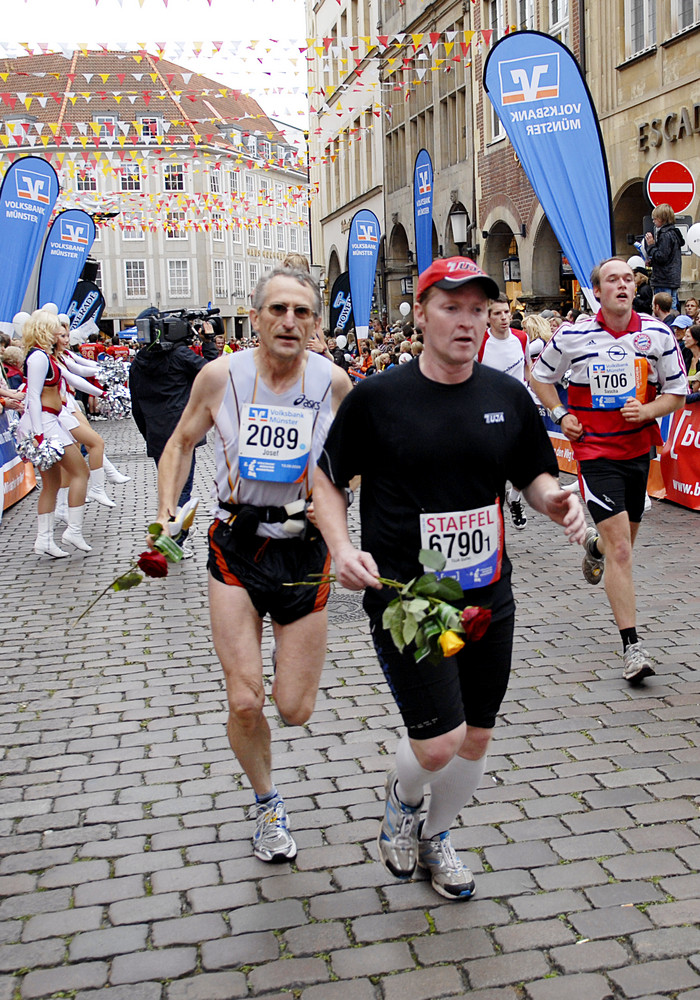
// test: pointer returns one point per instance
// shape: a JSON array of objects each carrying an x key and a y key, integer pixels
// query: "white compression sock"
[
  {"x": 411, "y": 776},
  {"x": 450, "y": 791}
]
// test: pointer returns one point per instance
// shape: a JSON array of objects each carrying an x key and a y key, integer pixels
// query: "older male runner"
[
  {"x": 446, "y": 433},
  {"x": 270, "y": 408},
  {"x": 625, "y": 371}
]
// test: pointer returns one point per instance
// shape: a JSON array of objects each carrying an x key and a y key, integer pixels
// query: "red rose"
[
  {"x": 475, "y": 621},
  {"x": 153, "y": 564}
]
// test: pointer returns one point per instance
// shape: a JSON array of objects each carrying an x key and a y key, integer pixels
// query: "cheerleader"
[
  {"x": 76, "y": 372},
  {"x": 46, "y": 417}
]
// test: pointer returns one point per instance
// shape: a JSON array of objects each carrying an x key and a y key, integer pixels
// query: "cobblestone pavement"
[{"x": 125, "y": 868}]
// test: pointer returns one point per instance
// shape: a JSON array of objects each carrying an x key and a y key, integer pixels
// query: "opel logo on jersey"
[{"x": 616, "y": 353}]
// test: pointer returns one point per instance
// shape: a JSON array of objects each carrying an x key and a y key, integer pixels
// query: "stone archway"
[
  {"x": 630, "y": 207},
  {"x": 398, "y": 268},
  {"x": 496, "y": 249},
  {"x": 546, "y": 267}
]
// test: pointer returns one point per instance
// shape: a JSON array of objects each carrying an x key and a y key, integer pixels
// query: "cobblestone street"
[{"x": 126, "y": 871}]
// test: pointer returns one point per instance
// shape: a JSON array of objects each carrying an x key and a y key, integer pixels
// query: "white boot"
[
  {"x": 44, "y": 544},
  {"x": 96, "y": 488},
  {"x": 112, "y": 474},
  {"x": 61, "y": 512},
  {"x": 74, "y": 532}
]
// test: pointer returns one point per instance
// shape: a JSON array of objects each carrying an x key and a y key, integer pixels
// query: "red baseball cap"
[{"x": 453, "y": 272}]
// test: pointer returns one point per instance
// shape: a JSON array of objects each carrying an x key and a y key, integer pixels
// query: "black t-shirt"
[{"x": 427, "y": 447}]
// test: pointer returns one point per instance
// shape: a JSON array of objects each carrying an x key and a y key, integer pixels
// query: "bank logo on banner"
[
  {"x": 32, "y": 186},
  {"x": 424, "y": 181},
  {"x": 74, "y": 232},
  {"x": 534, "y": 78},
  {"x": 366, "y": 232}
]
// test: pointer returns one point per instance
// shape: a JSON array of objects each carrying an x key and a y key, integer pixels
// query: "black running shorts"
[
  {"x": 263, "y": 565},
  {"x": 468, "y": 687},
  {"x": 611, "y": 486}
]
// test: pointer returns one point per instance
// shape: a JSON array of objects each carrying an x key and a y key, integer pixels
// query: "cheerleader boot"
[
  {"x": 74, "y": 532},
  {"x": 112, "y": 474},
  {"x": 61, "y": 513},
  {"x": 96, "y": 488},
  {"x": 45, "y": 544}
]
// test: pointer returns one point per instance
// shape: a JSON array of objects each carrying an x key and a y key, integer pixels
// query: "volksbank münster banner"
[
  {"x": 341, "y": 304},
  {"x": 27, "y": 197},
  {"x": 363, "y": 250},
  {"x": 539, "y": 94},
  {"x": 65, "y": 252},
  {"x": 423, "y": 209}
]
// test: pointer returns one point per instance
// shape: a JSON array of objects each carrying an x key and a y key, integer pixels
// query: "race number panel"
[
  {"x": 471, "y": 542},
  {"x": 274, "y": 443},
  {"x": 612, "y": 382}
]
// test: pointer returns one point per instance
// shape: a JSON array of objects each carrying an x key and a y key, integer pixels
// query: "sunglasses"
[{"x": 281, "y": 309}]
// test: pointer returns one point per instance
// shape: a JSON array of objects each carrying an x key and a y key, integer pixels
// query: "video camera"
[{"x": 176, "y": 326}]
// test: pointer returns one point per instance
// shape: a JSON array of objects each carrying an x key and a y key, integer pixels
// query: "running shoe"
[
  {"x": 272, "y": 841},
  {"x": 636, "y": 664},
  {"x": 397, "y": 840},
  {"x": 187, "y": 551},
  {"x": 592, "y": 566},
  {"x": 517, "y": 514},
  {"x": 448, "y": 875}
]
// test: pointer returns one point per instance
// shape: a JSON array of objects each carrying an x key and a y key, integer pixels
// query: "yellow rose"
[{"x": 450, "y": 643}]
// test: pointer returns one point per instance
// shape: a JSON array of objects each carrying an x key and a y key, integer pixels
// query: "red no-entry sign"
[{"x": 671, "y": 183}]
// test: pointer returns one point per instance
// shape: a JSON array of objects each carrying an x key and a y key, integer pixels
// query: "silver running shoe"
[
  {"x": 272, "y": 840},
  {"x": 448, "y": 875},
  {"x": 397, "y": 840},
  {"x": 636, "y": 664},
  {"x": 592, "y": 566}
]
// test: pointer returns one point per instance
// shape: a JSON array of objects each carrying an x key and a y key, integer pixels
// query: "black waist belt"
[{"x": 264, "y": 515}]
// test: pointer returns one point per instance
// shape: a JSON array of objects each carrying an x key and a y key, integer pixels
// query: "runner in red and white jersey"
[
  {"x": 507, "y": 351},
  {"x": 625, "y": 371}
]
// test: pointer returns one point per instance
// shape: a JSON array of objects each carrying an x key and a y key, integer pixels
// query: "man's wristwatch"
[{"x": 558, "y": 413}]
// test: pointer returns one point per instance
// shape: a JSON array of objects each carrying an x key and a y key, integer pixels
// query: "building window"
[
  {"x": 220, "y": 281},
  {"x": 684, "y": 14},
  {"x": 179, "y": 279},
  {"x": 559, "y": 19},
  {"x": 265, "y": 149},
  {"x": 497, "y": 23},
  {"x": 279, "y": 195},
  {"x": 174, "y": 177},
  {"x": 294, "y": 239},
  {"x": 130, "y": 179},
  {"x": 236, "y": 180},
  {"x": 281, "y": 238},
  {"x": 526, "y": 15},
  {"x": 133, "y": 229},
  {"x": 267, "y": 238},
  {"x": 135, "y": 279},
  {"x": 236, "y": 232},
  {"x": 98, "y": 276},
  {"x": 108, "y": 126},
  {"x": 175, "y": 226},
  {"x": 306, "y": 241},
  {"x": 253, "y": 275},
  {"x": 215, "y": 181},
  {"x": 86, "y": 181},
  {"x": 640, "y": 26},
  {"x": 250, "y": 187},
  {"x": 217, "y": 227},
  {"x": 238, "y": 280},
  {"x": 151, "y": 128},
  {"x": 252, "y": 236}
]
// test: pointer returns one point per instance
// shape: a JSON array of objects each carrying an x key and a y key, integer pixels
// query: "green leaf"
[
  {"x": 432, "y": 559},
  {"x": 127, "y": 581},
  {"x": 393, "y": 619},
  {"x": 426, "y": 585},
  {"x": 449, "y": 590},
  {"x": 421, "y": 653},
  {"x": 431, "y": 628},
  {"x": 448, "y": 616},
  {"x": 417, "y": 606},
  {"x": 410, "y": 628},
  {"x": 406, "y": 590}
]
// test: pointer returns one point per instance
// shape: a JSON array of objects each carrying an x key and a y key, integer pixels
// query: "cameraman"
[{"x": 160, "y": 380}]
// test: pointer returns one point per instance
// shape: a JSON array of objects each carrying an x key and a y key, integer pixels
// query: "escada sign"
[{"x": 672, "y": 127}]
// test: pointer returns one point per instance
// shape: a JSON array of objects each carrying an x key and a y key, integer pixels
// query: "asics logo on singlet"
[
  {"x": 310, "y": 404},
  {"x": 494, "y": 418}
]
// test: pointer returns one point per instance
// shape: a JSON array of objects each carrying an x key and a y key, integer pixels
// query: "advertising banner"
[
  {"x": 537, "y": 89},
  {"x": 341, "y": 317},
  {"x": 17, "y": 477},
  {"x": 65, "y": 252},
  {"x": 680, "y": 458},
  {"x": 423, "y": 209},
  {"x": 363, "y": 250},
  {"x": 27, "y": 197},
  {"x": 87, "y": 302}
]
